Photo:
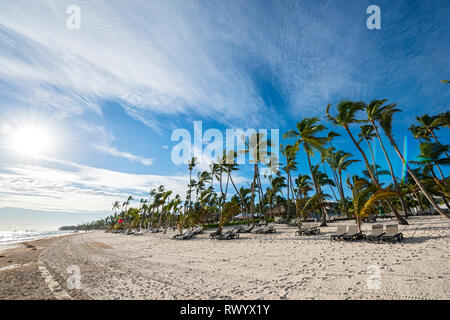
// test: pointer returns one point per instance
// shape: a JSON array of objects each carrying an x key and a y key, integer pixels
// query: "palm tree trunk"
[
  {"x": 289, "y": 206},
  {"x": 296, "y": 194},
  {"x": 319, "y": 194},
  {"x": 391, "y": 206},
  {"x": 240, "y": 196},
  {"x": 190, "y": 189},
  {"x": 261, "y": 202},
  {"x": 373, "y": 159},
  {"x": 419, "y": 184},
  {"x": 417, "y": 195},
  {"x": 252, "y": 200},
  {"x": 341, "y": 188}
]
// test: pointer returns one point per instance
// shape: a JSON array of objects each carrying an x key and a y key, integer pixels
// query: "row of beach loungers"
[
  {"x": 343, "y": 232},
  {"x": 234, "y": 233},
  {"x": 351, "y": 232}
]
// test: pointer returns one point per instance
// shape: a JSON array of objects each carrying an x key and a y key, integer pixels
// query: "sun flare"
[{"x": 31, "y": 140}]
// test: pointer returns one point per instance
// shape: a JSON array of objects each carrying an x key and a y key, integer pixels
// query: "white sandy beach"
[{"x": 274, "y": 266}]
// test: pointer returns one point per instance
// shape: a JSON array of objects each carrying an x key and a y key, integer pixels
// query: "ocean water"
[{"x": 9, "y": 239}]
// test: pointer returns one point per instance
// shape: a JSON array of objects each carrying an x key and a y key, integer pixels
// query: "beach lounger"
[
  {"x": 188, "y": 236},
  {"x": 244, "y": 230},
  {"x": 179, "y": 235},
  {"x": 377, "y": 232},
  {"x": 371, "y": 218},
  {"x": 213, "y": 234},
  {"x": 293, "y": 224},
  {"x": 229, "y": 235},
  {"x": 308, "y": 230},
  {"x": 184, "y": 236},
  {"x": 302, "y": 231},
  {"x": 198, "y": 230},
  {"x": 341, "y": 230},
  {"x": 266, "y": 230},
  {"x": 353, "y": 233},
  {"x": 392, "y": 233}
]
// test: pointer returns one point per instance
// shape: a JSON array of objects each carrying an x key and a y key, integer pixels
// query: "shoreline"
[
  {"x": 274, "y": 266},
  {"x": 20, "y": 277},
  {"x": 16, "y": 244}
]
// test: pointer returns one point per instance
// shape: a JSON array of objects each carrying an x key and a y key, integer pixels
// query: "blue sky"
[{"x": 111, "y": 93}]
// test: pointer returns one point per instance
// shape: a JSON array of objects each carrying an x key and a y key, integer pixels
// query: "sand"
[{"x": 273, "y": 266}]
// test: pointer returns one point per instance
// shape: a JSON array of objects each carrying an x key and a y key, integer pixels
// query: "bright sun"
[{"x": 31, "y": 140}]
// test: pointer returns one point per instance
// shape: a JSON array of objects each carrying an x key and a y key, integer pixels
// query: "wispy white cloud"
[
  {"x": 158, "y": 61},
  {"x": 65, "y": 186},
  {"x": 121, "y": 154},
  {"x": 76, "y": 188}
]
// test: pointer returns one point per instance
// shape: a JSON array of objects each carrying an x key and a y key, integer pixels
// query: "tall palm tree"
[
  {"x": 375, "y": 111},
  {"x": 289, "y": 151},
  {"x": 367, "y": 133},
  {"x": 306, "y": 134},
  {"x": 164, "y": 206},
  {"x": 127, "y": 202},
  {"x": 191, "y": 165},
  {"x": 230, "y": 165},
  {"x": 339, "y": 161},
  {"x": 257, "y": 147},
  {"x": 385, "y": 123},
  {"x": 115, "y": 207},
  {"x": 346, "y": 115}
]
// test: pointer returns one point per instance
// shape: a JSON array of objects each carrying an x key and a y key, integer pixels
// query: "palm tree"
[
  {"x": 385, "y": 123},
  {"x": 419, "y": 133},
  {"x": 304, "y": 185},
  {"x": 445, "y": 119},
  {"x": 306, "y": 132},
  {"x": 346, "y": 115},
  {"x": 289, "y": 151},
  {"x": 430, "y": 124},
  {"x": 365, "y": 196},
  {"x": 375, "y": 111},
  {"x": 367, "y": 133},
  {"x": 339, "y": 161},
  {"x": 257, "y": 146},
  {"x": 230, "y": 165},
  {"x": 430, "y": 156},
  {"x": 115, "y": 207},
  {"x": 191, "y": 165},
  {"x": 164, "y": 206}
]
